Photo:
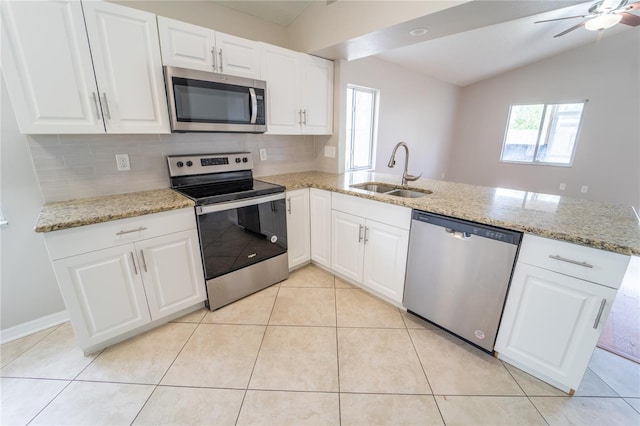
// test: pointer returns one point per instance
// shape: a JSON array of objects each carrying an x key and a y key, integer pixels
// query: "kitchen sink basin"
[{"x": 396, "y": 191}]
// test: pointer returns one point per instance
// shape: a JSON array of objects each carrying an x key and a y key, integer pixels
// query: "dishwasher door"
[{"x": 458, "y": 275}]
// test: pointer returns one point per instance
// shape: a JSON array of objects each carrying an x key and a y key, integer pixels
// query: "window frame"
[
  {"x": 374, "y": 129},
  {"x": 541, "y": 128}
]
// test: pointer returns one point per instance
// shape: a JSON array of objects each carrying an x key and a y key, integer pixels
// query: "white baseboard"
[{"x": 33, "y": 326}]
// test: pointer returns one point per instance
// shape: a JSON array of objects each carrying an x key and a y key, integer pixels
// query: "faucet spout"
[{"x": 392, "y": 162}]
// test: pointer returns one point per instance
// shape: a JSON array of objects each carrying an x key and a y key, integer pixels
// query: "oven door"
[{"x": 241, "y": 233}]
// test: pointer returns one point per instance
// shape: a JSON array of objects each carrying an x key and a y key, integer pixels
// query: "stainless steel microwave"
[{"x": 201, "y": 101}]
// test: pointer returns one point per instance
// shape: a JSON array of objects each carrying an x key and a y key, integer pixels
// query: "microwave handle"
[{"x": 254, "y": 105}]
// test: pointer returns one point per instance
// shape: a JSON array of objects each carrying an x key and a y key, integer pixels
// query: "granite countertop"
[
  {"x": 604, "y": 226},
  {"x": 69, "y": 214}
]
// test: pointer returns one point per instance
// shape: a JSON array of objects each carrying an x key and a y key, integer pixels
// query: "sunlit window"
[
  {"x": 361, "y": 122},
  {"x": 542, "y": 133}
]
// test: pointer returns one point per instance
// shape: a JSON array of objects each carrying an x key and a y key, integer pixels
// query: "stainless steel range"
[{"x": 241, "y": 223}]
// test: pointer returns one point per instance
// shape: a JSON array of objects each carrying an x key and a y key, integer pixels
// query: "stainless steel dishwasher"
[{"x": 458, "y": 275}]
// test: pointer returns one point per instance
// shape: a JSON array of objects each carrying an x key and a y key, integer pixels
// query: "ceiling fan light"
[{"x": 603, "y": 22}]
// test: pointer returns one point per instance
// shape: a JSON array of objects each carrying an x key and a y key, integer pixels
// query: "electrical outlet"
[
  {"x": 122, "y": 162},
  {"x": 563, "y": 186},
  {"x": 263, "y": 154},
  {"x": 584, "y": 189},
  {"x": 330, "y": 151}
]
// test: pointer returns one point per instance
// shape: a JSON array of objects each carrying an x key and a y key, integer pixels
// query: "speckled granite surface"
[
  {"x": 599, "y": 225},
  {"x": 85, "y": 211}
]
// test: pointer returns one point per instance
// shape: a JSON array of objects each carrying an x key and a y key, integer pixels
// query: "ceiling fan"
[{"x": 602, "y": 15}]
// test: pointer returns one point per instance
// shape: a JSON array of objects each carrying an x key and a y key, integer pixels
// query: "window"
[
  {"x": 542, "y": 133},
  {"x": 360, "y": 139}
]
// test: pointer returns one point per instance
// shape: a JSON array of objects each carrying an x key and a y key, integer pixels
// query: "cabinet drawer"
[
  {"x": 390, "y": 214},
  {"x": 83, "y": 239},
  {"x": 582, "y": 262}
]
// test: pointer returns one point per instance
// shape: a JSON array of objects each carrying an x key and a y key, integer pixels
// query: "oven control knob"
[
  {"x": 245, "y": 159},
  {"x": 238, "y": 159},
  {"x": 189, "y": 163},
  {"x": 179, "y": 164}
]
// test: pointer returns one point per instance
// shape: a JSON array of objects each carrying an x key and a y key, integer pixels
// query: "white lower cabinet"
[
  {"x": 298, "y": 232},
  {"x": 320, "y": 216},
  {"x": 370, "y": 246},
  {"x": 122, "y": 276},
  {"x": 552, "y": 321}
]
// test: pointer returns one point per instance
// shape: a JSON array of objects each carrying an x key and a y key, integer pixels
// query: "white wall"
[
  {"x": 414, "y": 108},
  {"x": 28, "y": 287},
  {"x": 607, "y": 157}
]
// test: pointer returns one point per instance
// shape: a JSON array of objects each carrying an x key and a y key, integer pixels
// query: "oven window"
[
  {"x": 233, "y": 239},
  {"x": 208, "y": 102}
]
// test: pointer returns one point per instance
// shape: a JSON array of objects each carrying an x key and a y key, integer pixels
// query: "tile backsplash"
[{"x": 79, "y": 166}]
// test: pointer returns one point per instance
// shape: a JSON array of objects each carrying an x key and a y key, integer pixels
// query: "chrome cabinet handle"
[
  {"x": 141, "y": 228},
  {"x": 289, "y": 202},
  {"x": 366, "y": 234},
  {"x": 95, "y": 101},
  {"x": 133, "y": 260},
  {"x": 220, "y": 55},
  {"x": 300, "y": 117},
  {"x": 106, "y": 106},
  {"x": 144, "y": 261},
  {"x": 360, "y": 233},
  {"x": 597, "y": 321},
  {"x": 213, "y": 56},
  {"x": 573, "y": 262},
  {"x": 304, "y": 111}
]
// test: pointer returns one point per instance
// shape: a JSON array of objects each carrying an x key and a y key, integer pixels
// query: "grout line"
[
  {"x": 523, "y": 391},
  {"x": 49, "y": 403},
  {"x": 335, "y": 306}
]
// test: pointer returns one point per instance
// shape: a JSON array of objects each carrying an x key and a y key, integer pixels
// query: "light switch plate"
[
  {"x": 263, "y": 154},
  {"x": 330, "y": 151},
  {"x": 122, "y": 162}
]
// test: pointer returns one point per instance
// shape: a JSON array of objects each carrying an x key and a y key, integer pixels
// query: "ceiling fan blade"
[
  {"x": 575, "y": 27},
  {"x": 560, "y": 19},
  {"x": 630, "y": 19}
]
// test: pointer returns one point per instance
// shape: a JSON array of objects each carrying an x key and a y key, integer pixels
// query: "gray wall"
[{"x": 607, "y": 157}]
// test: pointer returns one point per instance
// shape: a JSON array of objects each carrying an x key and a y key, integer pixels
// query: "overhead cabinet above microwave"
[
  {"x": 190, "y": 46},
  {"x": 69, "y": 72}
]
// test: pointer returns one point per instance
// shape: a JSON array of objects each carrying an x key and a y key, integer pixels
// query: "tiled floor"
[{"x": 312, "y": 350}]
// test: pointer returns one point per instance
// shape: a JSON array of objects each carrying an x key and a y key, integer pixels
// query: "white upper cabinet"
[
  {"x": 299, "y": 92},
  {"x": 49, "y": 66},
  {"x": 126, "y": 55},
  {"x": 191, "y": 46}
]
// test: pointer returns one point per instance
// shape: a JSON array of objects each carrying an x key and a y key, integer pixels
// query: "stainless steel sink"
[{"x": 396, "y": 191}]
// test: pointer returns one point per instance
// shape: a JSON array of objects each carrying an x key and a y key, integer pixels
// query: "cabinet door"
[
  {"x": 172, "y": 271},
  {"x": 128, "y": 67},
  {"x": 317, "y": 96},
  {"x": 320, "y": 216},
  {"x": 385, "y": 259},
  {"x": 280, "y": 70},
  {"x": 47, "y": 66},
  {"x": 298, "y": 233},
  {"x": 347, "y": 248},
  {"x": 552, "y": 322},
  {"x": 186, "y": 45},
  {"x": 237, "y": 56},
  {"x": 103, "y": 292}
]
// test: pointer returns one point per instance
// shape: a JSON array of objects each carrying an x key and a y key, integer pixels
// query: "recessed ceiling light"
[{"x": 418, "y": 32}]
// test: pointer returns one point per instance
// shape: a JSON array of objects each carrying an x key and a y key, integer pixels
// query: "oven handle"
[{"x": 200, "y": 210}]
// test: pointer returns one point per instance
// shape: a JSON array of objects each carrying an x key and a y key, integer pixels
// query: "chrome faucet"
[{"x": 392, "y": 162}]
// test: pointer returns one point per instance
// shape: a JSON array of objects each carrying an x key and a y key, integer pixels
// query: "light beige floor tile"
[
  {"x": 289, "y": 408},
  {"x": 586, "y": 411},
  {"x": 304, "y": 306},
  {"x": 412, "y": 321},
  {"x": 11, "y": 350},
  {"x": 356, "y": 308},
  {"x": 195, "y": 316},
  {"x": 309, "y": 276},
  {"x": 88, "y": 403},
  {"x": 622, "y": 375},
  {"x": 57, "y": 356},
  {"x": 297, "y": 358},
  {"x": 217, "y": 356},
  {"x": 634, "y": 402},
  {"x": 592, "y": 385},
  {"x": 22, "y": 399},
  {"x": 488, "y": 410},
  {"x": 254, "y": 309},
  {"x": 191, "y": 406},
  {"x": 532, "y": 386},
  {"x": 456, "y": 368},
  {"x": 379, "y": 361},
  {"x": 370, "y": 409},
  {"x": 340, "y": 283},
  {"x": 142, "y": 359}
]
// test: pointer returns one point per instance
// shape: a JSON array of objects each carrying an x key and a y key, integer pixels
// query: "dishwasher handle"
[{"x": 461, "y": 235}]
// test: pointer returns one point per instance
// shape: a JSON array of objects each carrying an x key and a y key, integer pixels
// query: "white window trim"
[{"x": 374, "y": 133}]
